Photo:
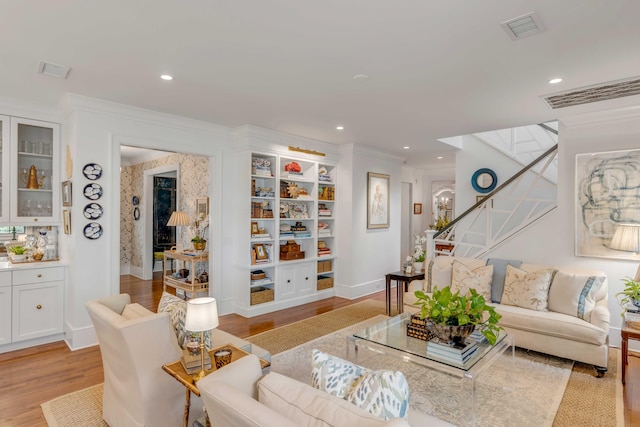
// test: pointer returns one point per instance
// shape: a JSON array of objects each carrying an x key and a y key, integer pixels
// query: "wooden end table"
[
  {"x": 177, "y": 371},
  {"x": 627, "y": 333},
  {"x": 402, "y": 281}
]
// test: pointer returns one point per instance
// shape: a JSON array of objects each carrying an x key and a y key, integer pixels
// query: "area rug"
[{"x": 81, "y": 408}]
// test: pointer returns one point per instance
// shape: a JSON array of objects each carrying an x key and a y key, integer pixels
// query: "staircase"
[{"x": 519, "y": 202}]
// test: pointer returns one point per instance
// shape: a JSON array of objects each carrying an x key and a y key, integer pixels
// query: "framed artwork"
[
  {"x": 377, "y": 200},
  {"x": 261, "y": 252},
  {"x": 254, "y": 228},
  {"x": 66, "y": 218},
  {"x": 417, "y": 208},
  {"x": 605, "y": 196},
  {"x": 202, "y": 206},
  {"x": 66, "y": 193}
]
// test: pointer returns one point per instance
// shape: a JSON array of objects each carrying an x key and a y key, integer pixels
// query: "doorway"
[
  {"x": 165, "y": 194},
  {"x": 406, "y": 217}
]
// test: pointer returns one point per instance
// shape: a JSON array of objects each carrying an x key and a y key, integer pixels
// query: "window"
[{"x": 6, "y": 233}]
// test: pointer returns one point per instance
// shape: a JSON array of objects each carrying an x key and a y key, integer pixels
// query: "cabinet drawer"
[
  {"x": 5, "y": 278},
  {"x": 37, "y": 310},
  {"x": 38, "y": 275}
]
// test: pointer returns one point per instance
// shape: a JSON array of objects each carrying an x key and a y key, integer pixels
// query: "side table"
[
  {"x": 627, "y": 333},
  {"x": 190, "y": 259},
  {"x": 402, "y": 280},
  {"x": 177, "y": 371}
]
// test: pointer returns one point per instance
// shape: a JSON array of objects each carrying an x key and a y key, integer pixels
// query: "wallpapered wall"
[{"x": 194, "y": 183}]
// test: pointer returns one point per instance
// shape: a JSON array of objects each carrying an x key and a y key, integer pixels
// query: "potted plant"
[
  {"x": 455, "y": 316},
  {"x": 630, "y": 294},
  {"x": 419, "y": 252},
  {"x": 200, "y": 229},
  {"x": 18, "y": 253}
]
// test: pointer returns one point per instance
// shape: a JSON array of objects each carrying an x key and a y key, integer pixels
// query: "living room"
[{"x": 94, "y": 126}]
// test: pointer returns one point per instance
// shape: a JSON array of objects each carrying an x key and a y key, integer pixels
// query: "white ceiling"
[{"x": 438, "y": 68}]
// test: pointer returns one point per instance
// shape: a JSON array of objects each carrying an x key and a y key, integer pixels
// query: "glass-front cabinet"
[
  {"x": 4, "y": 168},
  {"x": 33, "y": 179}
]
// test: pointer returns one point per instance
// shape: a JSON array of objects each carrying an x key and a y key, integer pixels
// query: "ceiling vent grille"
[
  {"x": 53, "y": 70},
  {"x": 587, "y": 95},
  {"x": 523, "y": 26}
]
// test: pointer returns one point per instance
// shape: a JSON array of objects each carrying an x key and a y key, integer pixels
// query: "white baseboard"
[
  {"x": 136, "y": 271},
  {"x": 78, "y": 338},
  {"x": 361, "y": 290},
  {"x": 125, "y": 269}
]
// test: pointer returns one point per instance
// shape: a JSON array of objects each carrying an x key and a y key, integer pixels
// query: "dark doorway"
[{"x": 164, "y": 204}]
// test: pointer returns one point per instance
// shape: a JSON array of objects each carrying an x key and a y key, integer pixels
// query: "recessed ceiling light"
[
  {"x": 439, "y": 157},
  {"x": 339, "y": 127},
  {"x": 361, "y": 77},
  {"x": 406, "y": 147},
  {"x": 555, "y": 80},
  {"x": 166, "y": 77}
]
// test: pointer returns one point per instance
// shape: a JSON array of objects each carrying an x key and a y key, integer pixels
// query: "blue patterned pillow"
[
  {"x": 334, "y": 375},
  {"x": 177, "y": 309}
]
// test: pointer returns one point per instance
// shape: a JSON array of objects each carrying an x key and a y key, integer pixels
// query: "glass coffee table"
[{"x": 390, "y": 338}]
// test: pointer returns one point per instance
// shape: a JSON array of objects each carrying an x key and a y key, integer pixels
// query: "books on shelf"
[
  {"x": 324, "y": 212},
  {"x": 262, "y": 171},
  {"x": 324, "y": 178},
  {"x": 260, "y": 236},
  {"x": 265, "y": 281},
  {"x": 299, "y": 234}
]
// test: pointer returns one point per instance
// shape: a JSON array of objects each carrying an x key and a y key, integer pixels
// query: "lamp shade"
[
  {"x": 626, "y": 238},
  {"x": 179, "y": 218},
  {"x": 202, "y": 314}
]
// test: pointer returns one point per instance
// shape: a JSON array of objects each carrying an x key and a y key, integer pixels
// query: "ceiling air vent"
[
  {"x": 53, "y": 70},
  {"x": 523, "y": 26},
  {"x": 589, "y": 94}
]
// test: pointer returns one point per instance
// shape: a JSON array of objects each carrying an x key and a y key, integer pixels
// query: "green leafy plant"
[
  {"x": 440, "y": 224},
  {"x": 18, "y": 250},
  {"x": 630, "y": 294},
  {"x": 446, "y": 308}
]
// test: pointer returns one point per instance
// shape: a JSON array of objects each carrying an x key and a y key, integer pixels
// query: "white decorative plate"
[
  {"x": 92, "y": 191},
  {"x": 92, "y": 171},
  {"x": 93, "y": 211},
  {"x": 92, "y": 231}
]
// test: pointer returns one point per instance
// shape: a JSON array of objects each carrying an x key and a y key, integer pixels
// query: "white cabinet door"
[
  {"x": 37, "y": 310},
  {"x": 286, "y": 283},
  {"x": 34, "y": 178},
  {"x": 306, "y": 278},
  {"x": 5, "y": 144},
  {"x": 5, "y": 308}
]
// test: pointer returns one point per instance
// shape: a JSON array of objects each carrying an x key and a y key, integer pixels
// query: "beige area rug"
[{"x": 587, "y": 401}]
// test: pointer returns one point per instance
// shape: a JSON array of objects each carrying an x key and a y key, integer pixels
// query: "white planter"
[
  {"x": 18, "y": 258},
  {"x": 417, "y": 267}
]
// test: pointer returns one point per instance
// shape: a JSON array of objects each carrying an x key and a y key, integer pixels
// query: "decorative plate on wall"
[
  {"x": 135, "y": 201},
  {"x": 92, "y": 231},
  {"x": 92, "y": 171},
  {"x": 92, "y": 191},
  {"x": 93, "y": 211}
]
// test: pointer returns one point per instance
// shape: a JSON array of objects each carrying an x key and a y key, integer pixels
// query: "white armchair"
[{"x": 135, "y": 343}]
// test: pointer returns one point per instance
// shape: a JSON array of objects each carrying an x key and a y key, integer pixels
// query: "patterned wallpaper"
[{"x": 194, "y": 183}]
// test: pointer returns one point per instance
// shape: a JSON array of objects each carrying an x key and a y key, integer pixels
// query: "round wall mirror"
[{"x": 484, "y": 180}]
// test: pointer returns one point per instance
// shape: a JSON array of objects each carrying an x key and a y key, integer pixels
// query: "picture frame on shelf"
[
  {"x": 66, "y": 218},
  {"x": 202, "y": 206},
  {"x": 66, "y": 193},
  {"x": 377, "y": 200},
  {"x": 254, "y": 228},
  {"x": 417, "y": 208},
  {"x": 261, "y": 252}
]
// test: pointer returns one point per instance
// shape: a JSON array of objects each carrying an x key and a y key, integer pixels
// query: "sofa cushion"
[
  {"x": 307, "y": 406},
  {"x": 177, "y": 309},
  {"x": 574, "y": 294},
  {"x": 527, "y": 290},
  {"x": 499, "y": 272},
  {"x": 382, "y": 393},
  {"x": 135, "y": 311},
  {"x": 439, "y": 270},
  {"x": 464, "y": 278},
  {"x": 334, "y": 375},
  {"x": 551, "y": 324}
]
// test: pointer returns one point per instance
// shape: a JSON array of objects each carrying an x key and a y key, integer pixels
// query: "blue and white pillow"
[{"x": 574, "y": 294}]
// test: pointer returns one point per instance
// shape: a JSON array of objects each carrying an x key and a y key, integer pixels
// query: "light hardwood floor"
[{"x": 32, "y": 376}]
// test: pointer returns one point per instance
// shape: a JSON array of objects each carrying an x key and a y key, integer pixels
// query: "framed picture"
[
  {"x": 377, "y": 200},
  {"x": 261, "y": 252},
  {"x": 202, "y": 206},
  {"x": 254, "y": 228},
  {"x": 417, "y": 208},
  {"x": 66, "y": 218},
  {"x": 605, "y": 196},
  {"x": 66, "y": 193}
]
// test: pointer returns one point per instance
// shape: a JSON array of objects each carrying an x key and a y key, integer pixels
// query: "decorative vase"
[
  {"x": 199, "y": 246},
  {"x": 417, "y": 267},
  {"x": 452, "y": 334},
  {"x": 636, "y": 302}
]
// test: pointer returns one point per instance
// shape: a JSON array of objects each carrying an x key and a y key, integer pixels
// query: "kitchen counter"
[{"x": 5, "y": 265}]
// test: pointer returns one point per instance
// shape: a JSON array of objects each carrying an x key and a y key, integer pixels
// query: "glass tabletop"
[{"x": 392, "y": 333}]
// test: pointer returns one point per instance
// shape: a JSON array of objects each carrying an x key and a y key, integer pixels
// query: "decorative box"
[
  {"x": 418, "y": 328},
  {"x": 290, "y": 246}
]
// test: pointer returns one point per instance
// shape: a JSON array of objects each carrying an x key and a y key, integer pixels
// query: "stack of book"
[
  {"x": 262, "y": 170},
  {"x": 324, "y": 178},
  {"x": 325, "y": 232},
  {"x": 459, "y": 353},
  {"x": 299, "y": 234},
  {"x": 260, "y": 236},
  {"x": 323, "y": 249},
  {"x": 192, "y": 363},
  {"x": 323, "y": 211}
]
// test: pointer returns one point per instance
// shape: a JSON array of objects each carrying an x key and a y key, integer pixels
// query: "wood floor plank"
[{"x": 33, "y": 376}]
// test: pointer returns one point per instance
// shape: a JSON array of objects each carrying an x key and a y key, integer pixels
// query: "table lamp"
[
  {"x": 627, "y": 238},
  {"x": 179, "y": 218},
  {"x": 202, "y": 315}
]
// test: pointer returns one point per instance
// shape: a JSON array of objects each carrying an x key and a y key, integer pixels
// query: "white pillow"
[
  {"x": 574, "y": 294},
  {"x": 464, "y": 278},
  {"x": 527, "y": 290}
]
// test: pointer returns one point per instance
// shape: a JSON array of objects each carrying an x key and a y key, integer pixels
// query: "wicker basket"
[
  {"x": 325, "y": 283},
  {"x": 260, "y": 295},
  {"x": 417, "y": 328}
]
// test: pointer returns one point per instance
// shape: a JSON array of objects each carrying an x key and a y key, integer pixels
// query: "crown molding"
[{"x": 614, "y": 110}]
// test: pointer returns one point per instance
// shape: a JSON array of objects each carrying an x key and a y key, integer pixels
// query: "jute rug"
[{"x": 587, "y": 401}]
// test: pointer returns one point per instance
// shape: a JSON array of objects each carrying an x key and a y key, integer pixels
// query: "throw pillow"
[
  {"x": 177, "y": 309},
  {"x": 334, "y": 375},
  {"x": 463, "y": 278},
  {"x": 527, "y": 289},
  {"x": 499, "y": 271},
  {"x": 382, "y": 393},
  {"x": 574, "y": 294}
]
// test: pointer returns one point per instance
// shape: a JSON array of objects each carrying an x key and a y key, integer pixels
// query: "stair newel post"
[{"x": 431, "y": 244}]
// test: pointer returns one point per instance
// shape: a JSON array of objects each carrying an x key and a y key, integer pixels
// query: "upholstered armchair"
[{"x": 135, "y": 343}]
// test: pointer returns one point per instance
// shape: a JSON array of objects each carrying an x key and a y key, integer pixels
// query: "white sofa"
[
  {"x": 238, "y": 395},
  {"x": 556, "y": 329}
]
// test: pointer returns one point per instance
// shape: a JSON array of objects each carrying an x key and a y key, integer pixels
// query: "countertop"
[{"x": 5, "y": 265}]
